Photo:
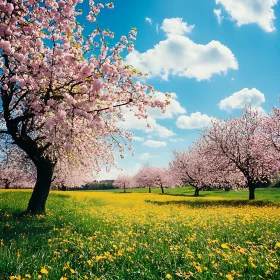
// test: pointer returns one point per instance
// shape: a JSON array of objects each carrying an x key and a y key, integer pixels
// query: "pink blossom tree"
[
  {"x": 242, "y": 144},
  {"x": 63, "y": 93},
  {"x": 143, "y": 178},
  {"x": 272, "y": 128},
  {"x": 192, "y": 168},
  {"x": 201, "y": 168},
  {"x": 124, "y": 181},
  {"x": 16, "y": 170},
  {"x": 150, "y": 176},
  {"x": 66, "y": 176}
]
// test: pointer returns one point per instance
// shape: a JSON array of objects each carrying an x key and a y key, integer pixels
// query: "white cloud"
[
  {"x": 132, "y": 122},
  {"x": 218, "y": 14},
  {"x": 195, "y": 120},
  {"x": 259, "y": 12},
  {"x": 149, "y": 20},
  {"x": 157, "y": 27},
  {"x": 179, "y": 55},
  {"x": 136, "y": 138},
  {"x": 145, "y": 156},
  {"x": 155, "y": 144},
  {"x": 250, "y": 97},
  {"x": 176, "y": 140},
  {"x": 173, "y": 109},
  {"x": 176, "y": 26}
]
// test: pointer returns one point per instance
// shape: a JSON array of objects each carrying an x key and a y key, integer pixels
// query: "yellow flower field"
[{"x": 96, "y": 235}]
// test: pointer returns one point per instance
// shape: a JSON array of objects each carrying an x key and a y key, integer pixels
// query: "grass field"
[{"x": 111, "y": 235}]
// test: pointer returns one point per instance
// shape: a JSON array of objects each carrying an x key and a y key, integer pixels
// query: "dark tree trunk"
[
  {"x": 196, "y": 192},
  {"x": 252, "y": 191},
  {"x": 124, "y": 190},
  {"x": 7, "y": 184},
  {"x": 162, "y": 189},
  {"x": 41, "y": 190},
  {"x": 150, "y": 190}
]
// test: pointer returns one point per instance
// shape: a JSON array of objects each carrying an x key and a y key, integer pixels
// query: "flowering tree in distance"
[
  {"x": 242, "y": 142},
  {"x": 192, "y": 168},
  {"x": 151, "y": 176},
  {"x": 16, "y": 170},
  {"x": 124, "y": 181},
  {"x": 143, "y": 177},
  {"x": 62, "y": 93},
  {"x": 272, "y": 128}
]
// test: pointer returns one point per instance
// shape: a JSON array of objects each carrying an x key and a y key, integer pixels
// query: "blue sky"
[{"x": 214, "y": 56}]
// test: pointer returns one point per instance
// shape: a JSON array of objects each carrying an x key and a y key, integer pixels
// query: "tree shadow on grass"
[
  {"x": 18, "y": 224},
  {"x": 212, "y": 203},
  {"x": 15, "y": 222},
  {"x": 186, "y": 195}
]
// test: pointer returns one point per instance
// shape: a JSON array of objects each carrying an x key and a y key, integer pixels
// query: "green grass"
[
  {"x": 264, "y": 194},
  {"x": 109, "y": 235}
]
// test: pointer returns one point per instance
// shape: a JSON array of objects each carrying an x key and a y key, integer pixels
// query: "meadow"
[{"x": 137, "y": 235}]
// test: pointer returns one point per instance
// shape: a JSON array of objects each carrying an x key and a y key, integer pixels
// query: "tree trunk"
[
  {"x": 196, "y": 192},
  {"x": 41, "y": 190},
  {"x": 7, "y": 184},
  {"x": 124, "y": 190},
  {"x": 162, "y": 189},
  {"x": 252, "y": 191},
  {"x": 150, "y": 189}
]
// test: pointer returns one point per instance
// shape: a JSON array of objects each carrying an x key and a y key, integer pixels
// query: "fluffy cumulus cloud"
[
  {"x": 194, "y": 120},
  {"x": 251, "y": 11},
  {"x": 137, "y": 138},
  {"x": 155, "y": 144},
  {"x": 176, "y": 26},
  {"x": 172, "y": 110},
  {"x": 250, "y": 97},
  {"x": 149, "y": 20},
  {"x": 148, "y": 126},
  {"x": 179, "y": 55}
]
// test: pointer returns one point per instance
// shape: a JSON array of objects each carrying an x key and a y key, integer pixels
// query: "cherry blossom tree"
[
  {"x": 272, "y": 128},
  {"x": 124, "y": 181},
  {"x": 16, "y": 170},
  {"x": 242, "y": 143},
  {"x": 66, "y": 176},
  {"x": 151, "y": 176},
  {"x": 63, "y": 91},
  {"x": 143, "y": 178},
  {"x": 192, "y": 168}
]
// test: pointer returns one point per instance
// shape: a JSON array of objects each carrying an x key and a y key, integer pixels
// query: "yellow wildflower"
[
  {"x": 168, "y": 276},
  {"x": 229, "y": 277},
  {"x": 224, "y": 246},
  {"x": 44, "y": 271}
]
